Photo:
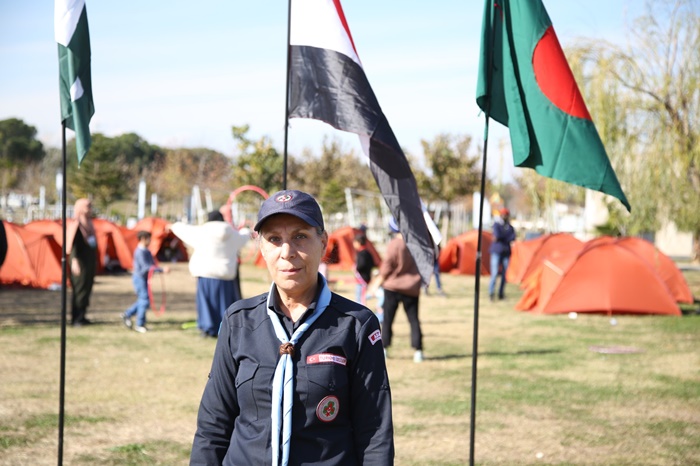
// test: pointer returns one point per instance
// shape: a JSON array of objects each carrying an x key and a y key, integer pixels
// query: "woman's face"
[{"x": 292, "y": 250}]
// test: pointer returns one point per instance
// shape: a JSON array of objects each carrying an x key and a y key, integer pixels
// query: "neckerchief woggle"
[{"x": 283, "y": 382}]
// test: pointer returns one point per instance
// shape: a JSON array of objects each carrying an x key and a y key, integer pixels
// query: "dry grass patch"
[{"x": 132, "y": 399}]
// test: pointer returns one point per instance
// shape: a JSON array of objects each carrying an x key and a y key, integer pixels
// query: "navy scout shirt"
[{"x": 342, "y": 400}]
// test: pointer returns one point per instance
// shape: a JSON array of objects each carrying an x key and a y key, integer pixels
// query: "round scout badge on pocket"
[{"x": 327, "y": 409}]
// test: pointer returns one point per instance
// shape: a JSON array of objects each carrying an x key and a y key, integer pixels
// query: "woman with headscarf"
[{"x": 81, "y": 248}]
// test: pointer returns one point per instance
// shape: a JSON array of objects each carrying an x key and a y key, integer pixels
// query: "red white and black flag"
[{"x": 327, "y": 83}]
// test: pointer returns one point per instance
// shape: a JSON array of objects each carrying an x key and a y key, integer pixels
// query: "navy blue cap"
[{"x": 292, "y": 202}]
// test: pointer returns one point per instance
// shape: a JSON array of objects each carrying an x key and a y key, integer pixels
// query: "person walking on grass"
[
  {"x": 503, "y": 235},
  {"x": 399, "y": 277},
  {"x": 143, "y": 263},
  {"x": 364, "y": 263},
  {"x": 81, "y": 249}
]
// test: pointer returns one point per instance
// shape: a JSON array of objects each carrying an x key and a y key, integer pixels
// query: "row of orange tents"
[
  {"x": 560, "y": 273},
  {"x": 626, "y": 275},
  {"x": 34, "y": 249}
]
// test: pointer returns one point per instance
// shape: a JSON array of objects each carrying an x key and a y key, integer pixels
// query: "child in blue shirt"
[{"x": 143, "y": 263}]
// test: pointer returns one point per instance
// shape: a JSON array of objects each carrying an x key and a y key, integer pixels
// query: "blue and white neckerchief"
[{"x": 283, "y": 382}]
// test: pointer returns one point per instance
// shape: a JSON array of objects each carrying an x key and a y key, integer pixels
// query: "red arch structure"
[
  {"x": 236, "y": 192},
  {"x": 247, "y": 187}
]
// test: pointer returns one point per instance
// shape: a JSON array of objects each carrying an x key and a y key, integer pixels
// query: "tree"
[
  {"x": 326, "y": 176},
  {"x": 178, "y": 170},
  {"x": 102, "y": 176},
  {"x": 19, "y": 149},
  {"x": 135, "y": 151},
  {"x": 112, "y": 169},
  {"x": 645, "y": 100},
  {"x": 452, "y": 172},
  {"x": 257, "y": 163}
]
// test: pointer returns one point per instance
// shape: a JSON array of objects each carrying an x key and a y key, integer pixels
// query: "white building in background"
[
  {"x": 17, "y": 200},
  {"x": 674, "y": 243},
  {"x": 668, "y": 239},
  {"x": 594, "y": 213}
]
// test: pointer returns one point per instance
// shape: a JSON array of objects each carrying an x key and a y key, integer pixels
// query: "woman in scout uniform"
[{"x": 299, "y": 375}]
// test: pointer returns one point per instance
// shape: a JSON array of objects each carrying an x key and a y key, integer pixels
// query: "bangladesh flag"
[
  {"x": 526, "y": 84},
  {"x": 75, "y": 87}
]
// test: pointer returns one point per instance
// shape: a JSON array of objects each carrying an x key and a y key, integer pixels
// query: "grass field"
[{"x": 551, "y": 389}]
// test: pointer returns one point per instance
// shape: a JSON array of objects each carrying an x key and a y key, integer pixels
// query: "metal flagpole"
[
  {"x": 286, "y": 98},
  {"x": 477, "y": 278},
  {"x": 64, "y": 286}
]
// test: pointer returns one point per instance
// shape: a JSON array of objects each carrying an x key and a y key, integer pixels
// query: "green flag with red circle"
[{"x": 526, "y": 84}]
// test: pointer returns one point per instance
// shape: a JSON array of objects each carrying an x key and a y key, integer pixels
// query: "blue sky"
[{"x": 182, "y": 73}]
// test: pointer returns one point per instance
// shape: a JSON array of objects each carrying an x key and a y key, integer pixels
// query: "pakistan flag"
[{"x": 75, "y": 87}]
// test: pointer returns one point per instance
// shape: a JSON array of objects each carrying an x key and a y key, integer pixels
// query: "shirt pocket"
[
  {"x": 245, "y": 389},
  {"x": 325, "y": 380}
]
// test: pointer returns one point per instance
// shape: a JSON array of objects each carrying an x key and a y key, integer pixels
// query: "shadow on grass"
[
  {"x": 519, "y": 353},
  {"x": 20, "y": 307},
  {"x": 451, "y": 356}
]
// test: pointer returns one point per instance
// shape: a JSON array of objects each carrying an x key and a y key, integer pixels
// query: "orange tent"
[
  {"x": 458, "y": 256},
  {"x": 33, "y": 258},
  {"x": 599, "y": 277},
  {"x": 115, "y": 244},
  {"x": 47, "y": 227},
  {"x": 660, "y": 262},
  {"x": 340, "y": 253},
  {"x": 528, "y": 255},
  {"x": 113, "y": 248},
  {"x": 164, "y": 244}
]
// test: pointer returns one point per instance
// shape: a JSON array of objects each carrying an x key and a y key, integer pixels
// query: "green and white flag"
[{"x": 75, "y": 86}]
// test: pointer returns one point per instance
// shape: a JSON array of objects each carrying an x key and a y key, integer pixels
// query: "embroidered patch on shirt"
[
  {"x": 327, "y": 409},
  {"x": 325, "y": 358},
  {"x": 375, "y": 337}
]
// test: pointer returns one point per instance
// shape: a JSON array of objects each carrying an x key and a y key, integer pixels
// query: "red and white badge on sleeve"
[{"x": 375, "y": 337}]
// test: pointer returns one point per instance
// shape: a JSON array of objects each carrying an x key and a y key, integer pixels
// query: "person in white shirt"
[{"x": 214, "y": 263}]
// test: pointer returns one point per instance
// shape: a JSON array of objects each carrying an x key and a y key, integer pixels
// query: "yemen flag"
[
  {"x": 525, "y": 83},
  {"x": 327, "y": 83},
  {"x": 75, "y": 86}
]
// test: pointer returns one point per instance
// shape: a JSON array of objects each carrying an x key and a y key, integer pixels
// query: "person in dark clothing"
[
  {"x": 81, "y": 242},
  {"x": 298, "y": 375},
  {"x": 364, "y": 263},
  {"x": 436, "y": 274},
  {"x": 3, "y": 243},
  {"x": 503, "y": 235}
]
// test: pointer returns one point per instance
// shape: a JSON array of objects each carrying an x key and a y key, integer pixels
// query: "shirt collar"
[{"x": 274, "y": 303}]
